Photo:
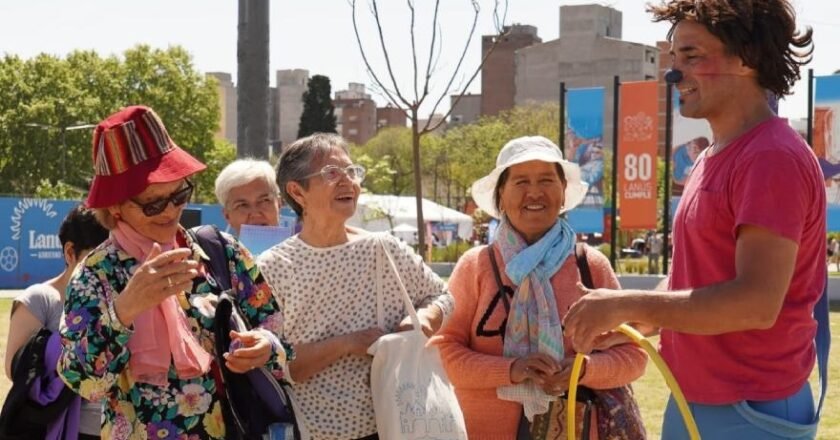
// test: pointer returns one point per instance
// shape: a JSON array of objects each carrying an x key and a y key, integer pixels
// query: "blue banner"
[
  {"x": 585, "y": 145},
  {"x": 826, "y": 137},
  {"x": 30, "y": 250}
]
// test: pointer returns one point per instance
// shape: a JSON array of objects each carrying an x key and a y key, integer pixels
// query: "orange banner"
[{"x": 637, "y": 150}]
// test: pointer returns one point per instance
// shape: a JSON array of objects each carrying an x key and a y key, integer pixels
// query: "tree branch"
[
  {"x": 375, "y": 10},
  {"x": 413, "y": 50},
  {"x": 502, "y": 34},
  {"x": 431, "y": 49},
  {"x": 368, "y": 67},
  {"x": 477, "y": 11}
]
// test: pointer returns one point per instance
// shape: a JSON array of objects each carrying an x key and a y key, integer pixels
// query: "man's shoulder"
[{"x": 778, "y": 136}]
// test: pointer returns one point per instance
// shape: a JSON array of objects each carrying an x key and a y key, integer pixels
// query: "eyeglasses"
[
  {"x": 332, "y": 173},
  {"x": 178, "y": 198},
  {"x": 263, "y": 203}
]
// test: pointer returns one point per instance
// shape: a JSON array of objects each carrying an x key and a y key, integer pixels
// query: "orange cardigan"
[{"x": 475, "y": 364}]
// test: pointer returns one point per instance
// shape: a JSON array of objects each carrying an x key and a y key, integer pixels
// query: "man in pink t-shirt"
[{"x": 749, "y": 233}]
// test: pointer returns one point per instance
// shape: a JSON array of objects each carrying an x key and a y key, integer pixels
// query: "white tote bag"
[{"x": 412, "y": 396}]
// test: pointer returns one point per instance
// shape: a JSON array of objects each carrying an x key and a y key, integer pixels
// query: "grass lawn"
[
  {"x": 5, "y": 308},
  {"x": 651, "y": 390}
]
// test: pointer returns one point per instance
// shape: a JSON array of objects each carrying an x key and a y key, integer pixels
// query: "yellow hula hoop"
[{"x": 637, "y": 337}]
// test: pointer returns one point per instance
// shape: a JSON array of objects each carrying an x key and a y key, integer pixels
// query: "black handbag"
[{"x": 254, "y": 400}]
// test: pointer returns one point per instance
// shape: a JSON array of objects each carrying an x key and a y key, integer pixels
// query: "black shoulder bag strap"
[
  {"x": 503, "y": 294},
  {"x": 583, "y": 266},
  {"x": 210, "y": 239}
]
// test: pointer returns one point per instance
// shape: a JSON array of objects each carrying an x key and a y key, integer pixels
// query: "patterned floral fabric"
[{"x": 94, "y": 361}]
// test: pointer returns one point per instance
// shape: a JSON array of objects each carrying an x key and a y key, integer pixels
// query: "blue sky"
[{"x": 317, "y": 35}]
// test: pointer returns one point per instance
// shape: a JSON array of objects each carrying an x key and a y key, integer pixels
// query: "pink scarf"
[{"x": 161, "y": 334}]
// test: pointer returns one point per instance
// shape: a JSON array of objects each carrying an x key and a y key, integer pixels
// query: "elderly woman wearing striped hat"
[{"x": 135, "y": 334}]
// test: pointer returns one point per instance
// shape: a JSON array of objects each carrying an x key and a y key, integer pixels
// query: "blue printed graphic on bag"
[{"x": 280, "y": 431}]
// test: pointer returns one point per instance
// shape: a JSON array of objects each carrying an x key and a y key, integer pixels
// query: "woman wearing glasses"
[
  {"x": 325, "y": 280},
  {"x": 136, "y": 333}
]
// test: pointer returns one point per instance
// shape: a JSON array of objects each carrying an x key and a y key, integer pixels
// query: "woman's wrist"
[{"x": 120, "y": 314}]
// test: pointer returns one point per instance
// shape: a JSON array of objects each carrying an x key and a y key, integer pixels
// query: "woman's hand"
[
  {"x": 162, "y": 275},
  {"x": 249, "y": 350},
  {"x": 535, "y": 366},
  {"x": 430, "y": 318},
  {"x": 357, "y": 343},
  {"x": 558, "y": 383}
]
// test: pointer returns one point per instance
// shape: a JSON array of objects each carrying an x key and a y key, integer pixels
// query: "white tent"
[
  {"x": 405, "y": 232},
  {"x": 373, "y": 214}
]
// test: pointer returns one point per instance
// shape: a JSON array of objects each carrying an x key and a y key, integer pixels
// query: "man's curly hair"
[{"x": 762, "y": 33}]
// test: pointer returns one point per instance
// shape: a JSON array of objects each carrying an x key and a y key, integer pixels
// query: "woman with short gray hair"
[
  {"x": 325, "y": 279},
  {"x": 248, "y": 193}
]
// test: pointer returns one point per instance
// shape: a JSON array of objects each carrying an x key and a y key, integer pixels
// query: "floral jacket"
[{"x": 95, "y": 356}]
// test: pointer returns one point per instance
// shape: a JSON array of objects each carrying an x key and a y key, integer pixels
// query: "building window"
[
  {"x": 352, "y": 118},
  {"x": 352, "y": 132}
]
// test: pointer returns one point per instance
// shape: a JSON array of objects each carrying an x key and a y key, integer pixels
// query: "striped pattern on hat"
[{"x": 119, "y": 147}]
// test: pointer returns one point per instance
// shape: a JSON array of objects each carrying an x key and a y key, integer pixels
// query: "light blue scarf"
[{"x": 533, "y": 322}]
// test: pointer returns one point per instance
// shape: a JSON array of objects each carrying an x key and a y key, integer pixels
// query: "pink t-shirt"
[{"x": 768, "y": 177}]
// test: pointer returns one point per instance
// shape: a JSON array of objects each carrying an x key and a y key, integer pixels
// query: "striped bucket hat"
[{"x": 131, "y": 150}]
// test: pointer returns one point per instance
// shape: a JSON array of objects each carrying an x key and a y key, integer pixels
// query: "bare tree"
[{"x": 386, "y": 84}]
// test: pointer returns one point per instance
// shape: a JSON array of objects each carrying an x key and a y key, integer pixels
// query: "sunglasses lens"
[
  {"x": 182, "y": 196},
  {"x": 154, "y": 208}
]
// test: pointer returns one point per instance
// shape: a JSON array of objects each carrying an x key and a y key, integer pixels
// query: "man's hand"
[{"x": 595, "y": 313}]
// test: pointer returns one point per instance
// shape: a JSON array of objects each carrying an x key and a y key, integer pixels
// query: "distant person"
[
  {"x": 654, "y": 247},
  {"x": 248, "y": 193},
  {"x": 41, "y": 305},
  {"x": 737, "y": 320}
]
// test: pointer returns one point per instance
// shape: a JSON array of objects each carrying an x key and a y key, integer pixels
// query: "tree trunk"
[
  {"x": 252, "y": 80},
  {"x": 435, "y": 185},
  {"x": 418, "y": 183},
  {"x": 449, "y": 188}
]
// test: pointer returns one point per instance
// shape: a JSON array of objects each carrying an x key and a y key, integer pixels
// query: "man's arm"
[{"x": 764, "y": 264}]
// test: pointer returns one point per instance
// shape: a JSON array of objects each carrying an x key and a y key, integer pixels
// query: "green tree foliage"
[
  {"x": 379, "y": 172},
  {"x": 453, "y": 161},
  {"x": 59, "y": 190},
  {"x": 216, "y": 158},
  {"x": 318, "y": 110},
  {"x": 392, "y": 145},
  {"x": 471, "y": 150},
  {"x": 84, "y": 88}
]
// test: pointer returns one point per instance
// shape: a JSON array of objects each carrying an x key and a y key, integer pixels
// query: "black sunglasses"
[{"x": 178, "y": 198}]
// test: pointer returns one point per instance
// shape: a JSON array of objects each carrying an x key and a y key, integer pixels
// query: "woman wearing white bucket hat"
[{"x": 504, "y": 348}]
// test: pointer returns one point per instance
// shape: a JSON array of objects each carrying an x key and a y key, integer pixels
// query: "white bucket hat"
[{"x": 526, "y": 149}]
